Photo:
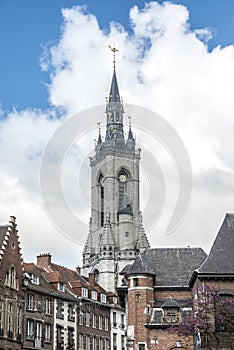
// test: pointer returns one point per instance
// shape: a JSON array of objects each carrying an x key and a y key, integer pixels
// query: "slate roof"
[
  {"x": 221, "y": 257},
  {"x": 172, "y": 267}
]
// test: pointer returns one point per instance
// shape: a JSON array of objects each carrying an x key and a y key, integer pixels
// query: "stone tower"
[{"x": 116, "y": 232}]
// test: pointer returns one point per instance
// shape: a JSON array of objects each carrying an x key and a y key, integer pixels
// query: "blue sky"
[{"x": 27, "y": 26}]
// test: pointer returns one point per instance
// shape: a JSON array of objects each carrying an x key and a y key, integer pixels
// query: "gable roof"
[
  {"x": 221, "y": 257},
  {"x": 172, "y": 267}
]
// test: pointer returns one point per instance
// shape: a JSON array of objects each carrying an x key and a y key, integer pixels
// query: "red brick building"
[
  {"x": 11, "y": 288},
  {"x": 162, "y": 290}
]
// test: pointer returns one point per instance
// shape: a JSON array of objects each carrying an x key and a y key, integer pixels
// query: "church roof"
[
  {"x": 172, "y": 267},
  {"x": 221, "y": 257}
]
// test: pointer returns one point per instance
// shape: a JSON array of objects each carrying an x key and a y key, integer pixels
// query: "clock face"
[{"x": 122, "y": 178}]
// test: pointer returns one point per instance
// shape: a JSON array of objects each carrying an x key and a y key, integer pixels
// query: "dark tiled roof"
[
  {"x": 221, "y": 256},
  {"x": 171, "y": 266}
]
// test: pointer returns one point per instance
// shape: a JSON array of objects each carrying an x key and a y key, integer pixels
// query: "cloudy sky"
[{"x": 175, "y": 59}]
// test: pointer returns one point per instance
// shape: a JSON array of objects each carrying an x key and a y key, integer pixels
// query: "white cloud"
[{"x": 162, "y": 65}]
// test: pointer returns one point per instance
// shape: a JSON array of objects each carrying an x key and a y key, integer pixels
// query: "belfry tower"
[{"x": 116, "y": 232}]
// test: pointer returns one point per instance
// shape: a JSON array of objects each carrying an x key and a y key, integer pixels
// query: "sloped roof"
[
  {"x": 171, "y": 266},
  {"x": 221, "y": 257}
]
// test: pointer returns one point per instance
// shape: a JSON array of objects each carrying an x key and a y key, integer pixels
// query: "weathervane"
[{"x": 114, "y": 50}]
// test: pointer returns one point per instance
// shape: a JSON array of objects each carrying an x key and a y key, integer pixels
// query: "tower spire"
[{"x": 114, "y": 107}]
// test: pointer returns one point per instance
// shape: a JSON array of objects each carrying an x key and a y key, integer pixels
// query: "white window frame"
[
  {"x": 61, "y": 287},
  {"x": 35, "y": 279},
  {"x": 103, "y": 298},
  {"x": 31, "y": 302},
  {"x": 84, "y": 292},
  {"x": 94, "y": 295},
  {"x": 47, "y": 332},
  {"x": 48, "y": 306},
  {"x": 30, "y": 325}
]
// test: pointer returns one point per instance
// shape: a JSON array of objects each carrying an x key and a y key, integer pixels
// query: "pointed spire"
[
  {"x": 99, "y": 141},
  {"x": 114, "y": 90},
  {"x": 130, "y": 134},
  {"x": 114, "y": 110}
]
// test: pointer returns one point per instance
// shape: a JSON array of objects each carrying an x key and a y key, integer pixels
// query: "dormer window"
[
  {"x": 94, "y": 295},
  {"x": 171, "y": 315},
  {"x": 103, "y": 298},
  {"x": 61, "y": 286},
  {"x": 35, "y": 279},
  {"x": 115, "y": 300},
  {"x": 84, "y": 292}
]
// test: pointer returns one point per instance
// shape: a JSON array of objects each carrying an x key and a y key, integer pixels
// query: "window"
[
  {"x": 171, "y": 315},
  {"x": 10, "y": 321},
  {"x": 61, "y": 286},
  {"x": 114, "y": 320},
  {"x": 94, "y": 295},
  {"x": 29, "y": 329},
  {"x": 70, "y": 339},
  {"x": 100, "y": 321},
  {"x": 107, "y": 324},
  {"x": 35, "y": 279},
  {"x": 101, "y": 196},
  {"x": 94, "y": 320},
  {"x": 122, "y": 342},
  {"x": 122, "y": 321},
  {"x": 103, "y": 298},
  {"x": 135, "y": 282},
  {"x": 88, "y": 319},
  {"x": 47, "y": 332},
  {"x": 115, "y": 300},
  {"x": 11, "y": 280},
  {"x": 126, "y": 234},
  {"x": 48, "y": 306},
  {"x": 19, "y": 320},
  {"x": 38, "y": 330},
  {"x": 114, "y": 341},
  {"x": 59, "y": 338},
  {"x": 31, "y": 302},
  {"x": 141, "y": 346},
  {"x": 84, "y": 292},
  {"x": 70, "y": 316},
  {"x": 60, "y": 310}
]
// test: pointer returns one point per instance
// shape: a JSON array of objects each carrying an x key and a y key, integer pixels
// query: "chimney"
[
  {"x": 78, "y": 269},
  {"x": 44, "y": 260},
  {"x": 92, "y": 278}
]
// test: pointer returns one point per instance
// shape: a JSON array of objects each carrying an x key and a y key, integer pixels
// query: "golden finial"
[{"x": 114, "y": 50}]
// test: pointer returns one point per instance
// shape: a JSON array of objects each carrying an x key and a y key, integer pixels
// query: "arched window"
[{"x": 101, "y": 200}]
